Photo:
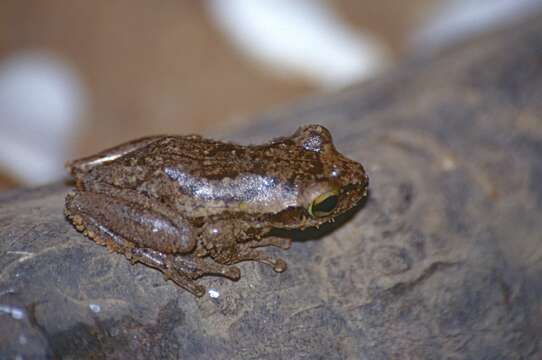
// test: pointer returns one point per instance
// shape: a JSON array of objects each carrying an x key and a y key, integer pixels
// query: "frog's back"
[
  {"x": 211, "y": 159},
  {"x": 202, "y": 177}
]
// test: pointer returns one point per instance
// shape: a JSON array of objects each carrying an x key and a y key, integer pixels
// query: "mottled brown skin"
[{"x": 190, "y": 206}]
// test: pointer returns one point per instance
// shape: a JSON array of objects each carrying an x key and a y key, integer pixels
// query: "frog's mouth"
[{"x": 290, "y": 218}]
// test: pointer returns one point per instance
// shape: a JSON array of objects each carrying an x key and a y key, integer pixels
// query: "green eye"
[{"x": 324, "y": 204}]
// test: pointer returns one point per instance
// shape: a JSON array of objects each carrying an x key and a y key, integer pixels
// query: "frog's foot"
[
  {"x": 249, "y": 254},
  {"x": 182, "y": 270},
  {"x": 162, "y": 262},
  {"x": 280, "y": 242}
]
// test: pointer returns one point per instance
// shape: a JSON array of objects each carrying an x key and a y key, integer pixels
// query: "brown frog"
[{"x": 190, "y": 206}]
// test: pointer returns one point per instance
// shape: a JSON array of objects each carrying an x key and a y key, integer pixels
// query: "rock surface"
[{"x": 444, "y": 260}]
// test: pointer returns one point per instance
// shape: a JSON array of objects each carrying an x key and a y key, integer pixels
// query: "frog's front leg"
[
  {"x": 281, "y": 242},
  {"x": 227, "y": 243},
  {"x": 249, "y": 254}
]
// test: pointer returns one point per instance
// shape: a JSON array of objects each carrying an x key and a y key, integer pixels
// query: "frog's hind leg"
[{"x": 183, "y": 270}]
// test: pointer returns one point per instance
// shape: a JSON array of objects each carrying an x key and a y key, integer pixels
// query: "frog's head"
[{"x": 327, "y": 183}]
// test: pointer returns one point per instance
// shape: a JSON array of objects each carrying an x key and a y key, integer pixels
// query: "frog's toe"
[
  {"x": 283, "y": 243},
  {"x": 280, "y": 265},
  {"x": 213, "y": 268},
  {"x": 190, "y": 285},
  {"x": 199, "y": 290},
  {"x": 232, "y": 273}
]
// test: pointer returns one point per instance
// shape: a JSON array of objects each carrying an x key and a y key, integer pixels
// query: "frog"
[{"x": 189, "y": 206}]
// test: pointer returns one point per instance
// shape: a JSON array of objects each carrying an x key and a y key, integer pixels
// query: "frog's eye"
[{"x": 324, "y": 204}]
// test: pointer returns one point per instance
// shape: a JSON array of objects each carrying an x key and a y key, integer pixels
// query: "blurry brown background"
[{"x": 164, "y": 67}]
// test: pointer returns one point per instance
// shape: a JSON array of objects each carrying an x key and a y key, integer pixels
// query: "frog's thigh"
[
  {"x": 138, "y": 224},
  {"x": 137, "y": 205},
  {"x": 86, "y": 223}
]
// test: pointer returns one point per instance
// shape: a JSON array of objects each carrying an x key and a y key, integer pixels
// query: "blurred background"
[{"x": 79, "y": 76}]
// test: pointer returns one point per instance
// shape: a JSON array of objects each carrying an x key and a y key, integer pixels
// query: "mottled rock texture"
[{"x": 443, "y": 261}]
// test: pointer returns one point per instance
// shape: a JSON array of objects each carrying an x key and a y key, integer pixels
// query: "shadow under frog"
[{"x": 190, "y": 206}]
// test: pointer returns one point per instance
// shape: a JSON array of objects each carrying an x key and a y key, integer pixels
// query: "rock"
[{"x": 443, "y": 260}]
